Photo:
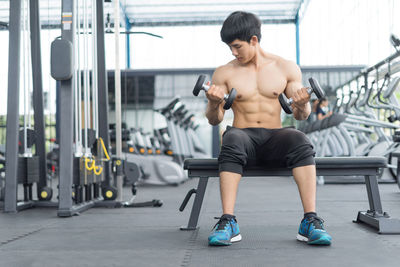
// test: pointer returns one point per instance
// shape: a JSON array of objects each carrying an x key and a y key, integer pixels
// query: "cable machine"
[
  {"x": 87, "y": 174},
  {"x": 25, "y": 71},
  {"x": 85, "y": 167}
]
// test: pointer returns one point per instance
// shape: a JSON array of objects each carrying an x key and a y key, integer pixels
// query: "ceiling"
[{"x": 142, "y": 13}]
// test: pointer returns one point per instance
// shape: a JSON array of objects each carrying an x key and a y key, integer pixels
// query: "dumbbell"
[
  {"x": 200, "y": 85},
  {"x": 315, "y": 88}
]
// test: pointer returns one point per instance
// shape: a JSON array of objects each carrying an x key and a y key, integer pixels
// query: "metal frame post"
[
  {"x": 38, "y": 106},
  {"x": 128, "y": 43},
  {"x": 297, "y": 23},
  {"x": 66, "y": 119},
  {"x": 216, "y": 143},
  {"x": 11, "y": 185},
  {"x": 117, "y": 80},
  {"x": 102, "y": 86}
]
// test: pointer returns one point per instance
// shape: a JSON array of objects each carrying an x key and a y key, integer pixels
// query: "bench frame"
[{"x": 374, "y": 217}]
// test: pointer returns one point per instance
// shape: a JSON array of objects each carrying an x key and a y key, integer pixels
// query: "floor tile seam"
[
  {"x": 23, "y": 235},
  {"x": 174, "y": 227},
  {"x": 80, "y": 250},
  {"x": 193, "y": 238},
  {"x": 273, "y": 247},
  {"x": 190, "y": 248}
]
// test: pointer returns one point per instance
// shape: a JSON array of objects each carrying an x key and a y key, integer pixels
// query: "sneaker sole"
[
  {"x": 216, "y": 242},
  {"x": 326, "y": 241}
]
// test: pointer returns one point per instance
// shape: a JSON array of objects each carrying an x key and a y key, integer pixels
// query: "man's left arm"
[{"x": 295, "y": 90}]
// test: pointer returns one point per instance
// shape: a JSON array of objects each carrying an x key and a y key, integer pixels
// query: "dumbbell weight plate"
[
  {"x": 230, "y": 99},
  {"x": 284, "y": 104},
  {"x": 316, "y": 88},
  {"x": 199, "y": 84}
]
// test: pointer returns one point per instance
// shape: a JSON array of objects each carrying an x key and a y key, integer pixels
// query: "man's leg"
[
  {"x": 305, "y": 177},
  {"x": 229, "y": 182},
  {"x": 311, "y": 228},
  {"x": 299, "y": 153},
  {"x": 235, "y": 150},
  {"x": 226, "y": 231}
]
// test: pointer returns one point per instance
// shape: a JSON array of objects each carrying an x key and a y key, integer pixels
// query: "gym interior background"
[{"x": 351, "y": 47}]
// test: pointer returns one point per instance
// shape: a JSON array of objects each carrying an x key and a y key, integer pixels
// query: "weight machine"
[{"x": 85, "y": 168}]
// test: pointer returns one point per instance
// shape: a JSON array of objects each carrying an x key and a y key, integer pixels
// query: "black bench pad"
[{"x": 329, "y": 166}]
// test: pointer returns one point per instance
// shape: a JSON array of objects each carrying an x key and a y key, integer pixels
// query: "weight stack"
[
  {"x": 78, "y": 178},
  {"x": 28, "y": 170},
  {"x": 85, "y": 176}
]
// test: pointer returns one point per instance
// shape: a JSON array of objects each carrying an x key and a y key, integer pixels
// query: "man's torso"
[{"x": 256, "y": 103}]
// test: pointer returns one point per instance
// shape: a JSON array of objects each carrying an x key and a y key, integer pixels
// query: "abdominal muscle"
[{"x": 263, "y": 113}]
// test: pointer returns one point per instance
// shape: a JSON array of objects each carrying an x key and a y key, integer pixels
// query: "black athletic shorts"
[{"x": 282, "y": 147}]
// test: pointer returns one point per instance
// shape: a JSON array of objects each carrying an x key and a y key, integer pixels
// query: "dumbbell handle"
[
  {"x": 200, "y": 85},
  {"x": 309, "y": 91},
  {"x": 207, "y": 87}
]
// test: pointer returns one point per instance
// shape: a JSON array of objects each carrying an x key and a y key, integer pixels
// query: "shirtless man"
[{"x": 257, "y": 136}]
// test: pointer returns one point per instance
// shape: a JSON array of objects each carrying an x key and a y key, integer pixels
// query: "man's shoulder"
[
  {"x": 227, "y": 67},
  {"x": 224, "y": 69},
  {"x": 290, "y": 68},
  {"x": 285, "y": 63}
]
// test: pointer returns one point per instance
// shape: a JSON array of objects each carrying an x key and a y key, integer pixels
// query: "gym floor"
[{"x": 268, "y": 212}]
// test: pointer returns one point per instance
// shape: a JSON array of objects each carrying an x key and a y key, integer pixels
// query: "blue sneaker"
[
  {"x": 225, "y": 232},
  {"x": 312, "y": 231}
]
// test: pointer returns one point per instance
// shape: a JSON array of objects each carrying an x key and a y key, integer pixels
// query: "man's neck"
[{"x": 259, "y": 58}]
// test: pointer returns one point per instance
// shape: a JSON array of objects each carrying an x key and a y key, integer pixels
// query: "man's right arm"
[{"x": 215, "y": 95}]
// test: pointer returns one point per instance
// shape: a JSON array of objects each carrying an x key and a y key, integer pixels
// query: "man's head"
[
  {"x": 242, "y": 26},
  {"x": 241, "y": 31}
]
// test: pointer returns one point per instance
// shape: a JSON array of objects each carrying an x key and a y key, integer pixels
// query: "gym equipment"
[
  {"x": 315, "y": 88},
  {"x": 21, "y": 164},
  {"x": 180, "y": 137},
  {"x": 200, "y": 85},
  {"x": 176, "y": 147},
  {"x": 154, "y": 169},
  {"x": 84, "y": 173},
  {"x": 358, "y": 126}
]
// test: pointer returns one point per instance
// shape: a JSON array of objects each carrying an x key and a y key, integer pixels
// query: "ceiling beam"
[
  {"x": 194, "y": 22},
  {"x": 301, "y": 10},
  {"x": 194, "y": 4},
  {"x": 124, "y": 14}
]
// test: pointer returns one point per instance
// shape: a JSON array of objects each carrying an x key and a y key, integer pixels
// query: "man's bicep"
[
  {"x": 292, "y": 87},
  {"x": 294, "y": 79},
  {"x": 219, "y": 79}
]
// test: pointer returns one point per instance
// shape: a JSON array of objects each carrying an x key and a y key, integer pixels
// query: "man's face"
[{"x": 241, "y": 50}]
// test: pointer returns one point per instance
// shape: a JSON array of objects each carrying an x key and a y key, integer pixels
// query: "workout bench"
[{"x": 369, "y": 167}]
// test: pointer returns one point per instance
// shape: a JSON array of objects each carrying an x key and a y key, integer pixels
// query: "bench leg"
[
  {"x": 375, "y": 216},
  {"x": 374, "y": 197},
  {"x": 398, "y": 172},
  {"x": 198, "y": 201}
]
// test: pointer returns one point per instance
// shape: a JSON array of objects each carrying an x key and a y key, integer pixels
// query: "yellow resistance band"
[{"x": 96, "y": 169}]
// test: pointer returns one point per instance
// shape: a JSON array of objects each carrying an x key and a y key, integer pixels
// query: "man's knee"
[
  {"x": 300, "y": 150},
  {"x": 233, "y": 155}
]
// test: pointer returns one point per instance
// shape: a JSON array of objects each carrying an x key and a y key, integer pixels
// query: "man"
[{"x": 257, "y": 136}]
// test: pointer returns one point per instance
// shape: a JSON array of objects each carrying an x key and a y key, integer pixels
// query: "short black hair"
[{"x": 240, "y": 25}]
